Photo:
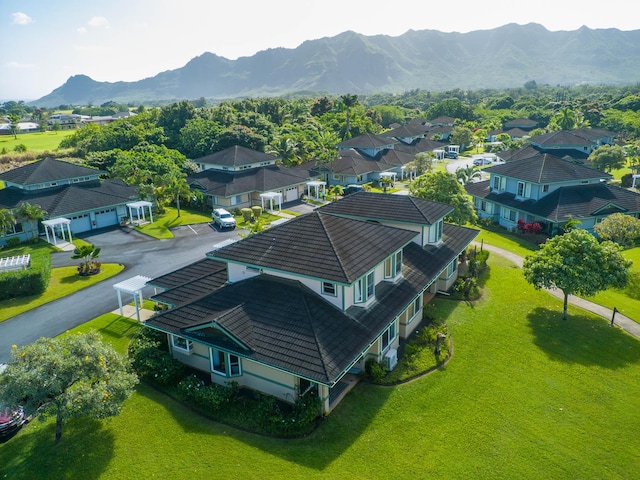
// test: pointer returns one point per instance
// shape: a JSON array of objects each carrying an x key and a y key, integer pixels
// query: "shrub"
[
  {"x": 20, "y": 148},
  {"x": 32, "y": 281},
  {"x": 13, "y": 242},
  {"x": 467, "y": 288},
  {"x": 284, "y": 420},
  {"x": 151, "y": 361},
  {"x": 211, "y": 398},
  {"x": 246, "y": 214},
  {"x": 257, "y": 211},
  {"x": 627, "y": 181},
  {"x": 374, "y": 370}
]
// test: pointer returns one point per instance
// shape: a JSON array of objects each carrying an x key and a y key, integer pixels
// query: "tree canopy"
[
  {"x": 577, "y": 264},
  {"x": 608, "y": 157},
  {"x": 71, "y": 376},
  {"x": 619, "y": 228},
  {"x": 444, "y": 187}
]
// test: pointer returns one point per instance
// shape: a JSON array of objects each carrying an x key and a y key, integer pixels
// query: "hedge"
[{"x": 22, "y": 283}]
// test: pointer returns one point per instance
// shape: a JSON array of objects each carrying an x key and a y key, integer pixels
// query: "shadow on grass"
[
  {"x": 84, "y": 451},
  {"x": 632, "y": 290},
  {"x": 582, "y": 339},
  {"x": 333, "y": 437}
]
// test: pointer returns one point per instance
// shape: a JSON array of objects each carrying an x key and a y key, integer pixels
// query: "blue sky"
[{"x": 46, "y": 42}]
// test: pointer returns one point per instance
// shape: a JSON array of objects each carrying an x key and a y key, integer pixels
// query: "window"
[
  {"x": 509, "y": 214},
  {"x": 329, "y": 288},
  {"x": 364, "y": 288},
  {"x": 393, "y": 265},
  {"x": 389, "y": 336},
  {"x": 225, "y": 364},
  {"x": 414, "y": 308},
  {"x": 496, "y": 183},
  {"x": 483, "y": 206},
  {"x": 305, "y": 386},
  {"x": 545, "y": 188},
  {"x": 182, "y": 344},
  {"x": 451, "y": 268},
  {"x": 435, "y": 232},
  {"x": 521, "y": 189}
]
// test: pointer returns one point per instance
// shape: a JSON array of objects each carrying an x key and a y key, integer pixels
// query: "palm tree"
[
  {"x": 88, "y": 253},
  {"x": 7, "y": 221},
  {"x": 328, "y": 153},
  {"x": 32, "y": 213},
  {"x": 465, "y": 175},
  {"x": 349, "y": 101},
  {"x": 176, "y": 188},
  {"x": 286, "y": 149},
  {"x": 566, "y": 118}
]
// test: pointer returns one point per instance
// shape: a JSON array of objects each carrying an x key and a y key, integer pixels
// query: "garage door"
[
  {"x": 106, "y": 218},
  {"x": 80, "y": 223},
  {"x": 291, "y": 194}
]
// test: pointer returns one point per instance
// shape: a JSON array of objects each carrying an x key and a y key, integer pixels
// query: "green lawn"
[
  {"x": 64, "y": 281},
  {"x": 526, "y": 395},
  {"x": 507, "y": 241},
  {"x": 626, "y": 300},
  {"x": 35, "y": 142},
  {"x": 169, "y": 219}
]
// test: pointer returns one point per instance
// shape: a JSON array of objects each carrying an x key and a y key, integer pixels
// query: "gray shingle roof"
[
  {"x": 395, "y": 208},
  {"x": 236, "y": 156},
  {"x": 409, "y": 130},
  {"x": 70, "y": 199},
  {"x": 46, "y": 170},
  {"x": 319, "y": 245},
  {"x": 545, "y": 168},
  {"x": 367, "y": 140}
]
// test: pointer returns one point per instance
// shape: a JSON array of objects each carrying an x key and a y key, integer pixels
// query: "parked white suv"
[{"x": 223, "y": 218}]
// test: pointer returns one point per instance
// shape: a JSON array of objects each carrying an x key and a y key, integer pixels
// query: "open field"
[
  {"x": 35, "y": 142},
  {"x": 526, "y": 395}
]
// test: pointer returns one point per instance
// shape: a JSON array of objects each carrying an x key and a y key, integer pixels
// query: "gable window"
[
  {"x": 524, "y": 189},
  {"x": 364, "y": 288},
  {"x": 393, "y": 265},
  {"x": 225, "y": 364},
  {"x": 435, "y": 232},
  {"x": 545, "y": 188},
  {"x": 388, "y": 336},
  {"x": 496, "y": 182},
  {"x": 182, "y": 344},
  {"x": 329, "y": 288},
  {"x": 414, "y": 308},
  {"x": 520, "y": 189},
  {"x": 451, "y": 268}
]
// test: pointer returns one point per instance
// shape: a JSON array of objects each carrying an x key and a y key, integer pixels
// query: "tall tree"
[
  {"x": 14, "y": 124},
  {"x": 444, "y": 187},
  {"x": 619, "y": 228},
  {"x": 33, "y": 214},
  {"x": 566, "y": 119},
  {"x": 607, "y": 158},
  {"x": 286, "y": 149},
  {"x": 7, "y": 221},
  {"x": 465, "y": 175},
  {"x": 176, "y": 187},
  {"x": 173, "y": 118},
  {"x": 72, "y": 376},
  {"x": 348, "y": 101},
  {"x": 577, "y": 264}
]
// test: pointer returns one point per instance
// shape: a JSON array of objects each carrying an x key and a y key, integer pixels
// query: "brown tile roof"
[
  {"x": 393, "y": 208},
  {"x": 319, "y": 245}
]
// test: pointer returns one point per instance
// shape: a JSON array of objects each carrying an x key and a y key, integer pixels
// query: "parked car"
[
  {"x": 223, "y": 219},
  {"x": 453, "y": 155},
  {"x": 11, "y": 420},
  {"x": 479, "y": 162},
  {"x": 349, "y": 189}
]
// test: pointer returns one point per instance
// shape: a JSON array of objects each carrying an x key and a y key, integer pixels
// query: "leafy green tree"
[
  {"x": 173, "y": 118},
  {"x": 7, "y": 221},
  {"x": 328, "y": 152},
  {"x": 336, "y": 191},
  {"x": 444, "y": 187},
  {"x": 577, "y": 264},
  {"x": 14, "y": 127},
  {"x": 33, "y": 214},
  {"x": 198, "y": 137},
  {"x": 175, "y": 188},
  {"x": 72, "y": 376},
  {"x": 321, "y": 106},
  {"x": 461, "y": 136},
  {"x": 423, "y": 162},
  {"x": 607, "y": 158},
  {"x": 242, "y": 136},
  {"x": 619, "y": 228},
  {"x": 451, "y": 107},
  {"x": 286, "y": 149},
  {"x": 348, "y": 101}
]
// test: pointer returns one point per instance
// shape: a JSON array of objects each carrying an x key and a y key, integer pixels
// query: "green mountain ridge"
[{"x": 503, "y": 57}]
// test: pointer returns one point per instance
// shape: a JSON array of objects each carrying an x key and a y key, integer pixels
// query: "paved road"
[{"x": 140, "y": 255}]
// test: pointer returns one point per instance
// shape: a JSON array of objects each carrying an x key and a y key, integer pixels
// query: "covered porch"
[
  {"x": 61, "y": 224},
  {"x": 319, "y": 187},
  {"x": 139, "y": 208},
  {"x": 270, "y": 197},
  {"x": 132, "y": 286}
]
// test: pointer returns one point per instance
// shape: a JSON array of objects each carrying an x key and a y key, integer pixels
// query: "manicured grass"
[
  {"x": 626, "y": 300},
  {"x": 266, "y": 218},
  {"x": 114, "y": 329},
  {"x": 64, "y": 281},
  {"x": 507, "y": 241},
  {"x": 163, "y": 222},
  {"x": 526, "y": 395},
  {"x": 36, "y": 141}
]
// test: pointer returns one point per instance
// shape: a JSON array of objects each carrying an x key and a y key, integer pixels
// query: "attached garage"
[
  {"x": 106, "y": 218},
  {"x": 80, "y": 223},
  {"x": 291, "y": 194}
]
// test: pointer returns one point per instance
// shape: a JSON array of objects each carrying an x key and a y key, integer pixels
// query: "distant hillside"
[{"x": 503, "y": 57}]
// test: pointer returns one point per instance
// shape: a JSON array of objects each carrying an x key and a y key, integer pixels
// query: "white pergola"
[
  {"x": 439, "y": 153},
  {"x": 454, "y": 148},
  {"x": 318, "y": 185},
  {"x": 389, "y": 175},
  {"x": 270, "y": 196},
  {"x": 139, "y": 206},
  {"x": 635, "y": 177},
  {"x": 408, "y": 172},
  {"x": 132, "y": 286},
  {"x": 57, "y": 222}
]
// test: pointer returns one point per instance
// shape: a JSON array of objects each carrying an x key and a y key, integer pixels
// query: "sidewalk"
[
  {"x": 621, "y": 321},
  {"x": 129, "y": 311}
]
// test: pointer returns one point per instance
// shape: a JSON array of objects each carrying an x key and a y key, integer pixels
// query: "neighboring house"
[
  {"x": 577, "y": 144},
  {"x": 549, "y": 190},
  {"x": 66, "y": 190},
  {"x": 521, "y": 123},
  {"x": 23, "y": 127},
  {"x": 66, "y": 121},
  {"x": 302, "y": 306},
  {"x": 235, "y": 178}
]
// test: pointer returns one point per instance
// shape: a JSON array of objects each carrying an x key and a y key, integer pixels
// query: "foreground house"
[
  {"x": 551, "y": 191},
  {"x": 66, "y": 191},
  {"x": 302, "y": 306}
]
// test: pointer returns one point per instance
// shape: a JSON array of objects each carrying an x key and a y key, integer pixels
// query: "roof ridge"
[
  {"x": 544, "y": 159},
  {"x": 331, "y": 242}
]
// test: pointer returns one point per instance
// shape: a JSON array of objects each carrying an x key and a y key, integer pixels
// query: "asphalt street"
[{"x": 141, "y": 255}]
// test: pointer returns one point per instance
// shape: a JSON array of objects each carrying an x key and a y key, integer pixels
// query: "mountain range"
[{"x": 503, "y": 57}]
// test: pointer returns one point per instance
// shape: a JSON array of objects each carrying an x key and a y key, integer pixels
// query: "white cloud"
[
  {"x": 98, "y": 22},
  {"x": 81, "y": 30},
  {"x": 16, "y": 65},
  {"x": 19, "y": 18}
]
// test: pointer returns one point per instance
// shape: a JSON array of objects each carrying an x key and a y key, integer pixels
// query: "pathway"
[{"x": 621, "y": 321}]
